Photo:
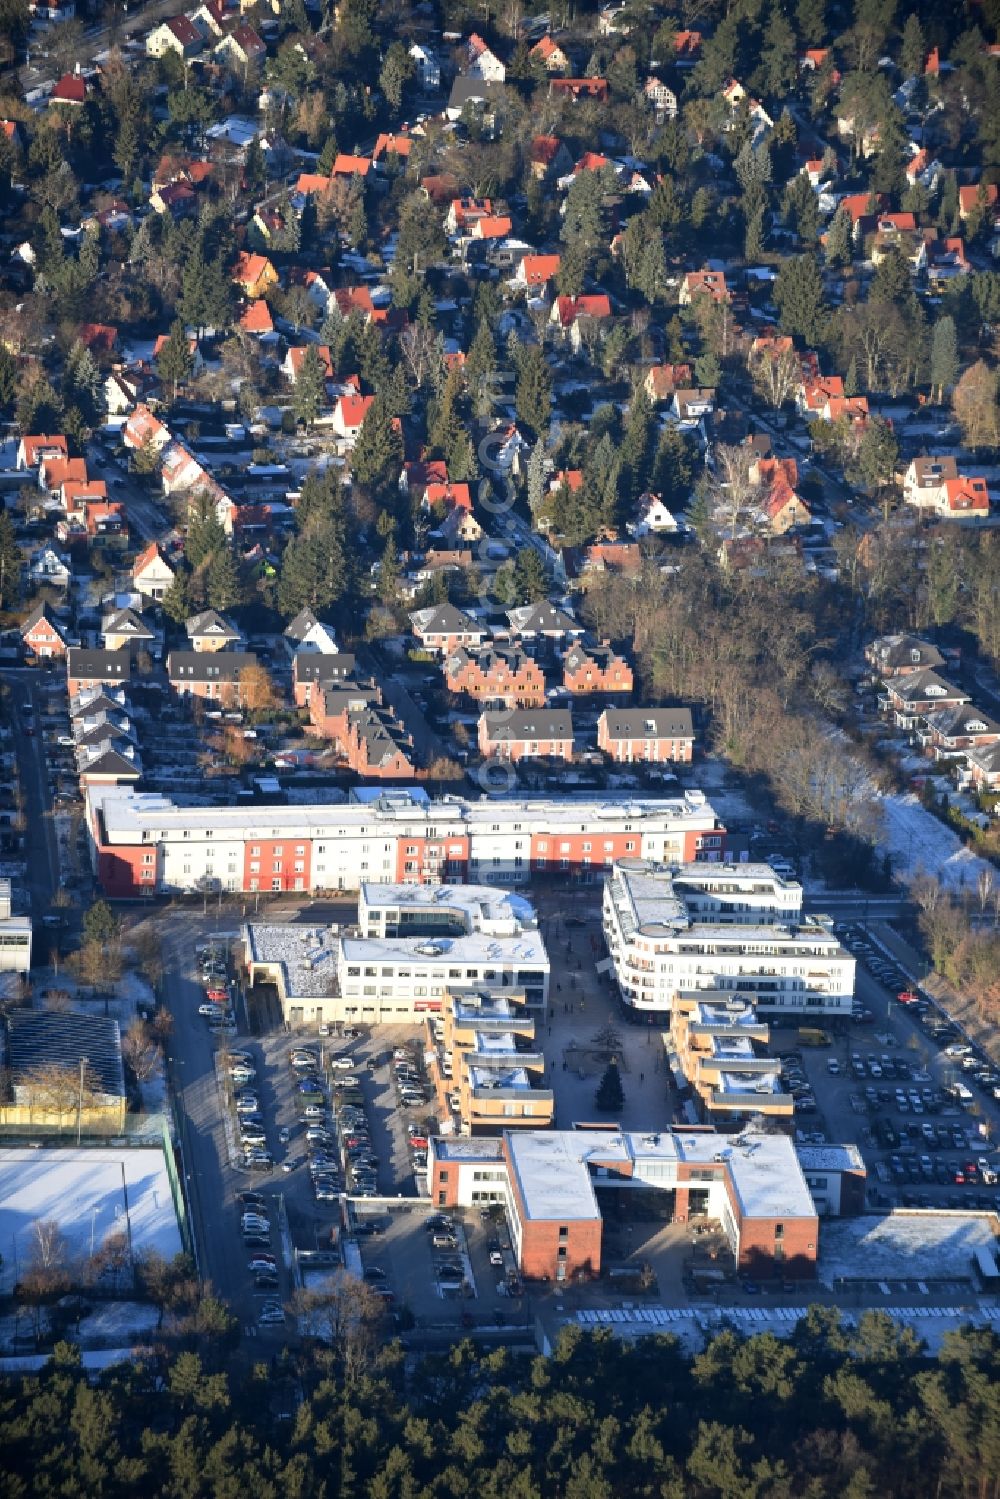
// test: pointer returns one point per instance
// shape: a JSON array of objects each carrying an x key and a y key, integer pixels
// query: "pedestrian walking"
[{"x": 642, "y": 1077}]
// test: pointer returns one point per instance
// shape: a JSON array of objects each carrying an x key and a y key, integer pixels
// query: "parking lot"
[{"x": 905, "y": 1088}]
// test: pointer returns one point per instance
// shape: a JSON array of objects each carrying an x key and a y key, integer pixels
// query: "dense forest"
[{"x": 832, "y": 1411}]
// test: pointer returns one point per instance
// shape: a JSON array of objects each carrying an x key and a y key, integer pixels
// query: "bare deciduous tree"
[{"x": 141, "y": 1050}]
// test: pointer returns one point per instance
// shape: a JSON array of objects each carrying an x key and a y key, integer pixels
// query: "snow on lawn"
[
  {"x": 118, "y": 1320},
  {"x": 903, "y": 1246},
  {"x": 917, "y": 840},
  {"x": 80, "y": 1189}
]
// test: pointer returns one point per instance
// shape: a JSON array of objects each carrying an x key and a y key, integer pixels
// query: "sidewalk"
[{"x": 582, "y": 1004}]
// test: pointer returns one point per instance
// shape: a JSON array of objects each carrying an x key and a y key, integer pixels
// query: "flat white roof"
[
  {"x": 550, "y": 1167},
  {"x": 766, "y": 1176},
  {"x": 82, "y": 1190},
  {"x": 128, "y": 812},
  {"x": 306, "y": 956},
  {"x": 520, "y": 950},
  {"x": 479, "y": 905}
]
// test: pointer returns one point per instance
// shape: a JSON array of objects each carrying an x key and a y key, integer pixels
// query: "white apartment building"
[
  {"x": 374, "y": 975},
  {"x": 145, "y": 842},
  {"x": 721, "y": 934},
  {"x": 15, "y": 935}
]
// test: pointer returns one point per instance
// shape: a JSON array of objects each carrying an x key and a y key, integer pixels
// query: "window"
[
  {"x": 779, "y": 1230},
  {"x": 563, "y": 1231}
]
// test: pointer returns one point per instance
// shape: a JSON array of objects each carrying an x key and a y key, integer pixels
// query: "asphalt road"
[
  {"x": 41, "y": 851},
  {"x": 141, "y": 511}
]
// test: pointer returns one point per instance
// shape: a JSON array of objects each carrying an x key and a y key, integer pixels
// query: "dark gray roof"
[
  {"x": 98, "y": 665},
  {"x": 309, "y": 666},
  {"x": 649, "y": 723},
  {"x": 208, "y": 666},
  {"x": 530, "y": 723},
  {"x": 51, "y": 1036},
  {"x": 445, "y": 619},
  {"x": 300, "y": 626},
  {"x": 475, "y": 90},
  {"x": 209, "y": 622}
]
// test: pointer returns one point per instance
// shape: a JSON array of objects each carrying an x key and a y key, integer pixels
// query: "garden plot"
[{"x": 917, "y": 841}]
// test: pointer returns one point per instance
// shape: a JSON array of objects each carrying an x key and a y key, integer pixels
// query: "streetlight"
[{"x": 79, "y": 1104}]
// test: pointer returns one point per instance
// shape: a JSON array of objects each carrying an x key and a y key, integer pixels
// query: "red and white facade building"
[{"x": 142, "y": 842}]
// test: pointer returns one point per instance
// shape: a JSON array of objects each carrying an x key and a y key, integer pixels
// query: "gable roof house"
[
  {"x": 71, "y": 90},
  {"x": 349, "y": 415},
  {"x": 482, "y": 61},
  {"x": 208, "y": 631},
  {"x": 428, "y": 67},
  {"x": 306, "y": 633},
  {"x": 484, "y": 92},
  {"x": 580, "y": 88},
  {"x": 152, "y": 574},
  {"x": 662, "y": 380},
  {"x": 254, "y": 274},
  {"x": 548, "y": 157},
  {"x": 143, "y": 427},
  {"x": 652, "y": 518},
  {"x": 982, "y": 767},
  {"x": 661, "y": 96},
  {"x": 591, "y": 667},
  {"x": 292, "y": 362},
  {"x": 312, "y": 670},
  {"x": 177, "y": 34},
  {"x": 241, "y": 48},
  {"x": 536, "y": 271},
  {"x": 42, "y": 636},
  {"x": 496, "y": 674},
  {"x": 949, "y": 732},
  {"x": 550, "y": 55},
  {"x": 32, "y": 451},
  {"x": 123, "y": 629},
  {"x": 543, "y": 621},
  {"x": 48, "y": 567}
]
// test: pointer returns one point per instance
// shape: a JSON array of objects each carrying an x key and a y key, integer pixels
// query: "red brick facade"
[
  {"x": 560, "y": 1251},
  {"x": 495, "y": 676},
  {"x": 44, "y": 640},
  {"x": 584, "y": 673}
]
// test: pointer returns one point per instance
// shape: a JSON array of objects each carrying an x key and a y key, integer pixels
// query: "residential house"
[
  {"x": 346, "y": 165},
  {"x": 307, "y": 633},
  {"x": 491, "y": 226},
  {"x": 652, "y": 518},
  {"x": 152, "y": 574},
  {"x": 592, "y": 668},
  {"x": 96, "y": 668},
  {"x": 48, "y": 567},
  {"x": 527, "y": 733},
  {"x": 595, "y": 89},
  {"x": 608, "y": 554},
  {"x": 482, "y": 62},
  {"x": 983, "y": 767},
  {"x": 550, "y": 55},
  {"x": 428, "y": 68},
  {"x": 180, "y": 471},
  {"x": 548, "y": 157},
  {"x": 42, "y": 637},
  {"x": 568, "y": 311},
  {"x": 99, "y": 338},
  {"x": 417, "y": 474},
  {"x": 496, "y": 674},
  {"x": 934, "y": 483},
  {"x": 661, "y": 96},
  {"x": 349, "y": 414},
  {"x": 977, "y": 195},
  {"x": 687, "y": 48},
  {"x": 292, "y": 362},
  {"x": 242, "y": 48},
  {"x": 121, "y": 392},
  {"x": 217, "y": 675},
  {"x": 662, "y": 380},
  {"x": 399, "y": 146},
  {"x": 32, "y": 451},
  {"x": 177, "y": 200},
  {"x": 912, "y": 696},
  {"x": 311, "y": 669},
  {"x": 901, "y": 655},
  {"x": 210, "y": 19},
  {"x": 703, "y": 283},
  {"x": 257, "y": 319},
  {"x": 536, "y": 271},
  {"x": 53, "y": 473},
  {"x": 950, "y": 732},
  {"x": 144, "y": 429},
  {"x": 378, "y": 747},
  {"x": 331, "y": 703},
  {"x": 443, "y": 628},
  {"x": 945, "y": 259},
  {"x": 690, "y": 406},
  {"x": 782, "y": 507},
  {"x": 208, "y": 632},
  {"x": 70, "y": 91},
  {"x": 475, "y": 93},
  {"x": 178, "y": 34},
  {"x": 543, "y": 624},
  {"x": 652, "y": 736},
  {"x": 123, "y": 629},
  {"x": 254, "y": 274},
  {"x": 464, "y": 213}
]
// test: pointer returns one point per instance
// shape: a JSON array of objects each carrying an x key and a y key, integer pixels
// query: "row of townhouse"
[
  {"x": 508, "y": 675},
  {"x": 939, "y": 716},
  {"x": 144, "y": 842},
  {"x": 86, "y": 512}
]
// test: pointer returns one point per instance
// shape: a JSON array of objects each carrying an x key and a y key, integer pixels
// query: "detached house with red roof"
[
  {"x": 349, "y": 414},
  {"x": 32, "y": 451},
  {"x": 935, "y": 484},
  {"x": 550, "y": 55},
  {"x": 152, "y": 574},
  {"x": 254, "y": 274},
  {"x": 548, "y": 157},
  {"x": 292, "y": 362},
  {"x": 662, "y": 380},
  {"x": 580, "y": 88},
  {"x": 536, "y": 271},
  {"x": 176, "y": 35},
  {"x": 242, "y": 48},
  {"x": 567, "y": 313},
  {"x": 482, "y": 62},
  {"x": 144, "y": 428},
  {"x": 71, "y": 90},
  {"x": 346, "y": 165},
  {"x": 703, "y": 283}
]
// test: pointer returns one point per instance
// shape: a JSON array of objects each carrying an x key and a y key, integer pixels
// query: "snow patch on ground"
[
  {"x": 82, "y": 1191},
  {"x": 918, "y": 841},
  {"x": 904, "y": 1246}
]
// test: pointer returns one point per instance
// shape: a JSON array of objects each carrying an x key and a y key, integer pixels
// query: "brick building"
[
  {"x": 209, "y": 674},
  {"x": 42, "y": 636},
  {"x": 96, "y": 668},
  {"x": 444, "y": 628},
  {"x": 310, "y": 669},
  {"x": 528, "y": 733},
  {"x": 557, "y": 1184},
  {"x": 592, "y": 668},
  {"x": 496, "y": 674},
  {"x": 646, "y": 735}
]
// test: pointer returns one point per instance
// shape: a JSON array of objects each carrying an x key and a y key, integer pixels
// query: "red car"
[
  {"x": 220, "y": 996},
  {"x": 418, "y": 1142}
]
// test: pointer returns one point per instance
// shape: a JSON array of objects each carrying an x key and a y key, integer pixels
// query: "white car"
[
  {"x": 958, "y": 1050},
  {"x": 271, "y": 1314},
  {"x": 342, "y": 1064},
  {"x": 208, "y": 1010}
]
